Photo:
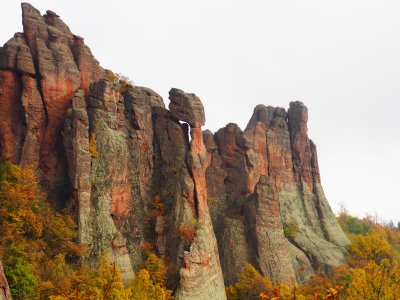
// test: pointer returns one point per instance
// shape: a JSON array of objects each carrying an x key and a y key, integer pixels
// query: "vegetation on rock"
[
  {"x": 372, "y": 271},
  {"x": 121, "y": 80},
  {"x": 92, "y": 146},
  {"x": 187, "y": 234},
  {"x": 291, "y": 229},
  {"x": 43, "y": 259}
]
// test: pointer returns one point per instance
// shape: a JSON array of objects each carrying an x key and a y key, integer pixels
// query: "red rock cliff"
[{"x": 134, "y": 177}]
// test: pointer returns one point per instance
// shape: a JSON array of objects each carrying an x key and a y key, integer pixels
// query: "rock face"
[
  {"x": 4, "y": 288},
  {"x": 40, "y": 70},
  {"x": 263, "y": 180},
  {"x": 187, "y": 108},
  {"x": 206, "y": 205}
]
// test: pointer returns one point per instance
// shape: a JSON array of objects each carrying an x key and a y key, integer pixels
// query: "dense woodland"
[{"x": 43, "y": 260}]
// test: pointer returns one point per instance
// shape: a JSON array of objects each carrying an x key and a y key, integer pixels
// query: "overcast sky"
[{"x": 341, "y": 58}]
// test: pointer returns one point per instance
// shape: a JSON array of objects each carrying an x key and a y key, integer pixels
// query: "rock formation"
[
  {"x": 40, "y": 70},
  {"x": 4, "y": 288},
  {"x": 208, "y": 205},
  {"x": 271, "y": 163}
]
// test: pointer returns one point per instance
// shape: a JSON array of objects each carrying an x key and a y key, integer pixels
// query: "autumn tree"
[
  {"x": 249, "y": 286},
  {"x": 371, "y": 247},
  {"x": 33, "y": 234}
]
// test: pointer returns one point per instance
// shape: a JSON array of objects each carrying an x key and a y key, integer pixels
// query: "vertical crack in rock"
[
  {"x": 201, "y": 276},
  {"x": 116, "y": 154},
  {"x": 266, "y": 229},
  {"x": 275, "y": 144},
  {"x": 40, "y": 71}
]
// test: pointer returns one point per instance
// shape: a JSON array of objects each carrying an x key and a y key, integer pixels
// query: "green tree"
[{"x": 20, "y": 274}]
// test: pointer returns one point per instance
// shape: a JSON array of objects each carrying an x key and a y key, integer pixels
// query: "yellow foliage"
[
  {"x": 33, "y": 236},
  {"x": 144, "y": 288},
  {"x": 156, "y": 269},
  {"x": 370, "y": 247},
  {"x": 250, "y": 285},
  {"x": 121, "y": 80},
  {"x": 92, "y": 146},
  {"x": 375, "y": 281}
]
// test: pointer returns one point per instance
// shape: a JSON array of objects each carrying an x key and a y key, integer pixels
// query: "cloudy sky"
[{"x": 341, "y": 58}]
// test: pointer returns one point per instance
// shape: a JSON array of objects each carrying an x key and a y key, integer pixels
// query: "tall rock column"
[
  {"x": 40, "y": 71},
  {"x": 201, "y": 276},
  {"x": 76, "y": 143}
]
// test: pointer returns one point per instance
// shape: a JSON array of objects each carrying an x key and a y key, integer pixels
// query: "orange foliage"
[
  {"x": 33, "y": 235},
  {"x": 158, "y": 207},
  {"x": 186, "y": 234}
]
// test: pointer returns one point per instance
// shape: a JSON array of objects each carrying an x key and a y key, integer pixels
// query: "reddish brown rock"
[
  {"x": 4, "y": 288},
  {"x": 186, "y": 107},
  {"x": 201, "y": 275},
  {"x": 301, "y": 148},
  {"x": 124, "y": 154},
  {"x": 280, "y": 166},
  {"x": 34, "y": 26},
  {"x": 11, "y": 116},
  {"x": 275, "y": 144},
  {"x": 112, "y": 183},
  {"x": 35, "y": 119},
  {"x": 16, "y": 55},
  {"x": 41, "y": 69},
  {"x": 88, "y": 66}
]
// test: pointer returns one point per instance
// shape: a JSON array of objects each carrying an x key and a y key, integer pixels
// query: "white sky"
[{"x": 341, "y": 58}]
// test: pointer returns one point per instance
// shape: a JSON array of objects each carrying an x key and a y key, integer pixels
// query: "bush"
[
  {"x": 187, "y": 234},
  {"x": 121, "y": 80},
  {"x": 291, "y": 229},
  {"x": 92, "y": 146}
]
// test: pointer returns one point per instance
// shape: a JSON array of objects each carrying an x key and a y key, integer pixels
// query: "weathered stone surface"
[
  {"x": 186, "y": 107},
  {"x": 11, "y": 120},
  {"x": 112, "y": 184},
  {"x": 88, "y": 66},
  {"x": 4, "y": 288},
  {"x": 41, "y": 69},
  {"x": 16, "y": 55},
  {"x": 274, "y": 144},
  {"x": 76, "y": 143},
  {"x": 201, "y": 275},
  {"x": 301, "y": 151},
  {"x": 34, "y": 26},
  {"x": 265, "y": 229},
  {"x": 117, "y": 155},
  {"x": 35, "y": 119}
]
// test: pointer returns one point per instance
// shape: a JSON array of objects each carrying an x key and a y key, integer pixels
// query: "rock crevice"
[{"x": 135, "y": 178}]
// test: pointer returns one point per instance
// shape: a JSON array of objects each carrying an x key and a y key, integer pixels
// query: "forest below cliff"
[{"x": 43, "y": 259}]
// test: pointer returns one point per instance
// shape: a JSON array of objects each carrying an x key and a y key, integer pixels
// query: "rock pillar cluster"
[{"x": 139, "y": 175}]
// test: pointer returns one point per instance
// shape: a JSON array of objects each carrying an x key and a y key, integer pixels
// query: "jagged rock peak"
[
  {"x": 120, "y": 152},
  {"x": 40, "y": 71},
  {"x": 265, "y": 115},
  {"x": 186, "y": 107}
]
